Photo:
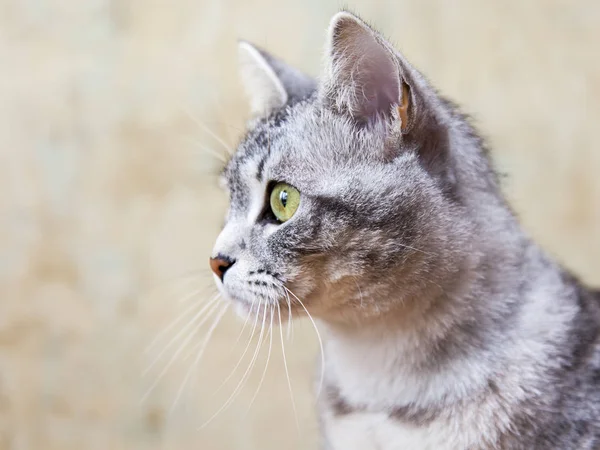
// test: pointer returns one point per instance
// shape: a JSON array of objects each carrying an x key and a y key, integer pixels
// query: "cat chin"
[
  {"x": 242, "y": 308},
  {"x": 247, "y": 310}
]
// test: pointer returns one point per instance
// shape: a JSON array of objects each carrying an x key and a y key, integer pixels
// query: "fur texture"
[{"x": 445, "y": 326}]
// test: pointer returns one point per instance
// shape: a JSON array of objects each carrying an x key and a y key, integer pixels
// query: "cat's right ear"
[
  {"x": 270, "y": 83},
  {"x": 366, "y": 79}
]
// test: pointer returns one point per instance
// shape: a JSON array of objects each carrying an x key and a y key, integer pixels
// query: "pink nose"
[{"x": 220, "y": 265}]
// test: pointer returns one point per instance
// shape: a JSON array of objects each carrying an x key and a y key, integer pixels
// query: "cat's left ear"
[{"x": 270, "y": 83}]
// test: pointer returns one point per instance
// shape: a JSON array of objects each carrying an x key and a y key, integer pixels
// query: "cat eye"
[{"x": 284, "y": 200}]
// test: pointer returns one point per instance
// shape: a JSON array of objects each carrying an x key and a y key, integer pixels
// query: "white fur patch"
[{"x": 378, "y": 432}]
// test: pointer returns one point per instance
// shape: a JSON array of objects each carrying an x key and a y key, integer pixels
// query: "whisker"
[
  {"x": 208, "y": 130},
  {"x": 183, "y": 279},
  {"x": 169, "y": 327},
  {"x": 244, "y": 376},
  {"x": 223, "y": 115},
  {"x": 176, "y": 354},
  {"x": 182, "y": 331},
  {"x": 290, "y": 325},
  {"x": 185, "y": 298},
  {"x": 245, "y": 323},
  {"x": 204, "y": 343},
  {"x": 262, "y": 378},
  {"x": 287, "y": 374},
  {"x": 197, "y": 346},
  {"x": 243, "y": 354},
  {"x": 207, "y": 149},
  {"x": 320, "y": 341}
]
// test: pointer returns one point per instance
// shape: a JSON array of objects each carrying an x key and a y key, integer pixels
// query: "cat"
[{"x": 368, "y": 200}]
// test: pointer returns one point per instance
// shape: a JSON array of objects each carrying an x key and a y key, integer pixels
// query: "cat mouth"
[{"x": 246, "y": 305}]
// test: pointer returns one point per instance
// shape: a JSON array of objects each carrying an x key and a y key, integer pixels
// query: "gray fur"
[{"x": 445, "y": 325}]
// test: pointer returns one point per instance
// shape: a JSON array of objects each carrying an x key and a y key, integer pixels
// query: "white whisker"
[
  {"x": 198, "y": 345},
  {"x": 207, "y": 149},
  {"x": 243, "y": 354},
  {"x": 169, "y": 327},
  {"x": 199, "y": 355},
  {"x": 209, "y": 131},
  {"x": 185, "y": 298},
  {"x": 244, "y": 376},
  {"x": 318, "y": 337},
  {"x": 286, "y": 370},
  {"x": 181, "y": 332},
  {"x": 289, "y": 325},
  {"x": 245, "y": 323},
  {"x": 262, "y": 378},
  {"x": 223, "y": 116},
  {"x": 176, "y": 354}
]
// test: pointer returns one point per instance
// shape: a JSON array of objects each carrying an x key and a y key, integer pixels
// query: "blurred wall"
[{"x": 108, "y": 195}]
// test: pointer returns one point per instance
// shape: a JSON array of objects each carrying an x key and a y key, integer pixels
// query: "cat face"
[{"x": 343, "y": 200}]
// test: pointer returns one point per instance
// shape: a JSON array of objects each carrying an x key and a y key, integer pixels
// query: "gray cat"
[{"x": 370, "y": 201}]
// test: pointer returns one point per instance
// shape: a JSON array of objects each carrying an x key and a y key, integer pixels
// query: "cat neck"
[
  {"x": 377, "y": 362},
  {"x": 446, "y": 350}
]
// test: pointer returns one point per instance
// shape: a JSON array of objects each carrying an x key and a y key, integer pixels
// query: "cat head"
[{"x": 345, "y": 195}]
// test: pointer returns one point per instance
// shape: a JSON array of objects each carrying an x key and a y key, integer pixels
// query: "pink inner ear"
[
  {"x": 378, "y": 80},
  {"x": 364, "y": 68}
]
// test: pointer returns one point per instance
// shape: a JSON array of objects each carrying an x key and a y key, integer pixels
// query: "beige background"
[{"x": 108, "y": 194}]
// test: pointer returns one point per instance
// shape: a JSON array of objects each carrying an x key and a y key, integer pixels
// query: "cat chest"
[{"x": 377, "y": 431}]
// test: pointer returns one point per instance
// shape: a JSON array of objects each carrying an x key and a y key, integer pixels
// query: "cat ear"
[
  {"x": 368, "y": 79},
  {"x": 363, "y": 74},
  {"x": 269, "y": 82}
]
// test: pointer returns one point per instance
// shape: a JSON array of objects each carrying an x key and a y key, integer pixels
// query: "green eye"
[{"x": 285, "y": 200}]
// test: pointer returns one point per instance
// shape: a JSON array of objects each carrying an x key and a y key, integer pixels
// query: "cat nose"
[{"x": 221, "y": 264}]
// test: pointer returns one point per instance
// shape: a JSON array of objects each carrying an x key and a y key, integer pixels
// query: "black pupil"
[{"x": 283, "y": 198}]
